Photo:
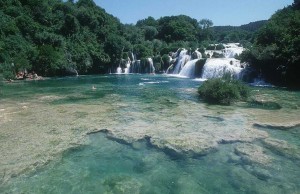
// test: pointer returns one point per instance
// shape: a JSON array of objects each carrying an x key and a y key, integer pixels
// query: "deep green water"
[{"x": 108, "y": 166}]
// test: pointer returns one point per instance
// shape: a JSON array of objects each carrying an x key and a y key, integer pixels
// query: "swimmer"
[{"x": 94, "y": 88}]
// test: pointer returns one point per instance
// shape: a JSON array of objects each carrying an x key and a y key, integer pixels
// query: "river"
[{"x": 145, "y": 134}]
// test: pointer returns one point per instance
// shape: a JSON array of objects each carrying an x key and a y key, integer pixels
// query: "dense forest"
[
  {"x": 244, "y": 34},
  {"x": 55, "y": 37},
  {"x": 276, "y": 48}
]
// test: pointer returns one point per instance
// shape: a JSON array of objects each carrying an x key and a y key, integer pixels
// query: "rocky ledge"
[
  {"x": 283, "y": 148},
  {"x": 279, "y": 126}
]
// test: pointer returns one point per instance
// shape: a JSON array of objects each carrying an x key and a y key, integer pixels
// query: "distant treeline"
[{"x": 243, "y": 34}]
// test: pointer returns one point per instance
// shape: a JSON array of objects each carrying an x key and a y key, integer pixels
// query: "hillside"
[
  {"x": 237, "y": 33},
  {"x": 56, "y": 37}
]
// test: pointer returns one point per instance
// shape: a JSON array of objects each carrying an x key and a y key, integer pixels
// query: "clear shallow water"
[
  {"x": 162, "y": 106},
  {"x": 106, "y": 166}
]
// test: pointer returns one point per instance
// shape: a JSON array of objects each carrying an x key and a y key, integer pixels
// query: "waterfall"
[
  {"x": 151, "y": 66},
  {"x": 190, "y": 64},
  {"x": 119, "y": 70},
  {"x": 196, "y": 54},
  {"x": 182, "y": 59},
  {"x": 189, "y": 69},
  {"x": 217, "y": 67},
  {"x": 232, "y": 49},
  {"x": 135, "y": 66},
  {"x": 185, "y": 63},
  {"x": 127, "y": 69}
]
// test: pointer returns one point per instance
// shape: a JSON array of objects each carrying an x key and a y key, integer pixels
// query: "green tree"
[
  {"x": 142, "y": 51},
  {"x": 177, "y": 28},
  {"x": 150, "y": 21},
  {"x": 205, "y": 23},
  {"x": 206, "y": 31},
  {"x": 150, "y": 32},
  {"x": 49, "y": 60},
  {"x": 276, "y": 50}
]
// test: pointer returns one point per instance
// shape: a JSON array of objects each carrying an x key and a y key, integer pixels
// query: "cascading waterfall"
[
  {"x": 119, "y": 70},
  {"x": 232, "y": 49},
  {"x": 182, "y": 59},
  {"x": 151, "y": 66},
  {"x": 135, "y": 66},
  {"x": 126, "y": 70},
  {"x": 184, "y": 63},
  {"x": 189, "y": 69},
  {"x": 217, "y": 67},
  {"x": 196, "y": 54},
  {"x": 131, "y": 65}
]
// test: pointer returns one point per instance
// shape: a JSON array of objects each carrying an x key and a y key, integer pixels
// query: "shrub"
[
  {"x": 220, "y": 47},
  {"x": 7, "y": 71},
  {"x": 217, "y": 55},
  {"x": 223, "y": 91}
]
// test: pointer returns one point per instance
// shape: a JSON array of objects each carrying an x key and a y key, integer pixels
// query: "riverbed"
[{"x": 145, "y": 134}]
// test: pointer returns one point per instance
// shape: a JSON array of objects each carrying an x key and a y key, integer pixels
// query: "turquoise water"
[
  {"x": 109, "y": 165},
  {"x": 105, "y": 166}
]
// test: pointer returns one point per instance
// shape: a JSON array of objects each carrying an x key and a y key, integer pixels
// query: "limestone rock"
[
  {"x": 282, "y": 147},
  {"x": 122, "y": 184},
  {"x": 264, "y": 102},
  {"x": 187, "y": 144},
  {"x": 279, "y": 126},
  {"x": 251, "y": 153}
]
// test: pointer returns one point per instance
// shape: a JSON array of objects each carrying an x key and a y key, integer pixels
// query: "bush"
[
  {"x": 223, "y": 91},
  {"x": 7, "y": 71},
  {"x": 220, "y": 47},
  {"x": 217, "y": 55}
]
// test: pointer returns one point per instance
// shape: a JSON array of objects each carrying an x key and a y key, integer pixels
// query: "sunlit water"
[{"x": 46, "y": 149}]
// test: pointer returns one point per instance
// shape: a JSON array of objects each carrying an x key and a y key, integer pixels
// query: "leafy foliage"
[
  {"x": 276, "y": 50},
  {"x": 56, "y": 35},
  {"x": 8, "y": 71},
  {"x": 50, "y": 36},
  {"x": 178, "y": 28},
  {"x": 223, "y": 91},
  {"x": 243, "y": 34}
]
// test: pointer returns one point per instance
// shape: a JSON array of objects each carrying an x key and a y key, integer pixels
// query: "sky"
[{"x": 221, "y": 12}]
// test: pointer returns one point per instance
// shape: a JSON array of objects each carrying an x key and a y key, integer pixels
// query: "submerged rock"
[
  {"x": 187, "y": 184},
  {"x": 191, "y": 144},
  {"x": 251, "y": 153},
  {"x": 258, "y": 172},
  {"x": 122, "y": 184},
  {"x": 187, "y": 144},
  {"x": 261, "y": 103},
  {"x": 283, "y": 148},
  {"x": 279, "y": 126},
  {"x": 237, "y": 177},
  {"x": 241, "y": 135},
  {"x": 214, "y": 118}
]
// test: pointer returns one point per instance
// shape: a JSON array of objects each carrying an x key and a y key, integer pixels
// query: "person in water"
[{"x": 94, "y": 88}]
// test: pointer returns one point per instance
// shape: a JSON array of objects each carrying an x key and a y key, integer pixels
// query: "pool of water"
[{"x": 159, "y": 137}]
